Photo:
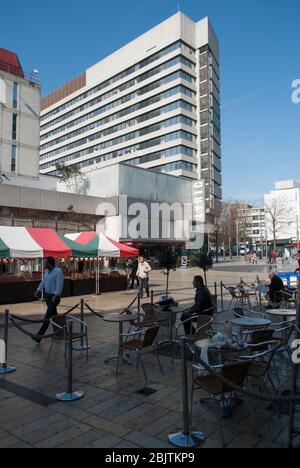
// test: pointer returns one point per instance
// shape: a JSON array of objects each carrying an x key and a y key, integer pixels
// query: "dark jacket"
[
  {"x": 275, "y": 289},
  {"x": 203, "y": 301}
]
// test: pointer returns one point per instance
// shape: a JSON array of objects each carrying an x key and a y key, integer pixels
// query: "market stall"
[
  {"x": 105, "y": 247},
  {"x": 21, "y": 267}
]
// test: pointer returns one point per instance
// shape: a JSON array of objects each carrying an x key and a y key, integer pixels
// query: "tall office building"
[
  {"x": 20, "y": 100},
  {"x": 155, "y": 103}
]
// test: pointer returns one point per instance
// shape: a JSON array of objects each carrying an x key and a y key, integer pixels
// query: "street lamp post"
[{"x": 237, "y": 240}]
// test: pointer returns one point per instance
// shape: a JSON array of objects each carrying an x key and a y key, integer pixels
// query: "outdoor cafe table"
[
  {"x": 120, "y": 319},
  {"x": 284, "y": 314},
  {"x": 251, "y": 323},
  {"x": 169, "y": 312}
]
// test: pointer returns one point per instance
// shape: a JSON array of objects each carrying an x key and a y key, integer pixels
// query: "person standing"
[
  {"x": 133, "y": 273},
  {"x": 52, "y": 285},
  {"x": 143, "y": 276}
]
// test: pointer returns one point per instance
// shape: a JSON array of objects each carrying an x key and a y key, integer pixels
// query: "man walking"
[
  {"x": 52, "y": 285},
  {"x": 143, "y": 276}
]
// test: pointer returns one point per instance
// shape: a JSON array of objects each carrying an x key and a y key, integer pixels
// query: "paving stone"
[
  {"x": 64, "y": 436},
  {"x": 145, "y": 441},
  {"x": 107, "y": 426},
  {"x": 107, "y": 441}
]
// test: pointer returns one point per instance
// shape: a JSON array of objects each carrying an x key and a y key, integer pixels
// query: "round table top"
[
  {"x": 282, "y": 312},
  {"x": 251, "y": 322},
  {"x": 117, "y": 318}
]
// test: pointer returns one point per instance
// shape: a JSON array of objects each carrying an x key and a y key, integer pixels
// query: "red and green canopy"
[
  {"x": 103, "y": 246},
  {"x": 21, "y": 242}
]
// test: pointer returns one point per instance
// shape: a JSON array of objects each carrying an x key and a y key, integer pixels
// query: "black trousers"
[
  {"x": 188, "y": 327},
  {"x": 51, "y": 312}
]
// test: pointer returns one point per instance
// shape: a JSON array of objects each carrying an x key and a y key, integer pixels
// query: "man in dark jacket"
[
  {"x": 203, "y": 302},
  {"x": 276, "y": 287}
]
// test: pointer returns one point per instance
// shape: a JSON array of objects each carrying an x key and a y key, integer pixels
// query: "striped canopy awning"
[
  {"x": 22, "y": 242},
  {"x": 104, "y": 246}
]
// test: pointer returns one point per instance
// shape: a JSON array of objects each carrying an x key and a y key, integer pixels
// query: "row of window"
[
  {"x": 180, "y": 134},
  {"x": 180, "y": 119},
  {"x": 168, "y": 79},
  {"x": 118, "y": 102},
  {"x": 176, "y": 166},
  {"x": 120, "y": 76},
  {"x": 180, "y": 104},
  {"x": 146, "y": 103},
  {"x": 162, "y": 154}
]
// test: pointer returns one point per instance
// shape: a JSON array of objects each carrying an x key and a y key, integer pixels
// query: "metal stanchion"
[
  {"x": 70, "y": 395},
  {"x": 5, "y": 369},
  {"x": 220, "y": 311},
  {"x": 82, "y": 346},
  {"x": 186, "y": 438},
  {"x": 139, "y": 307}
]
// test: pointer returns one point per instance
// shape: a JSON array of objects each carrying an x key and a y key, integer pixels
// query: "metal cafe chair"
[
  {"x": 204, "y": 324},
  {"x": 59, "y": 324},
  {"x": 235, "y": 372},
  {"x": 139, "y": 341},
  {"x": 259, "y": 370}
]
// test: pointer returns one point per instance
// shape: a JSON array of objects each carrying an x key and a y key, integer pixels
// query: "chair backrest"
[
  {"x": 150, "y": 336},
  {"x": 236, "y": 372},
  {"x": 209, "y": 312},
  {"x": 267, "y": 357},
  {"x": 238, "y": 312},
  {"x": 260, "y": 337},
  {"x": 203, "y": 325},
  {"x": 150, "y": 311},
  {"x": 285, "y": 334},
  {"x": 61, "y": 322}
]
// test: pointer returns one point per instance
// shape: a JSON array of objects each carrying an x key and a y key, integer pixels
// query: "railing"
[{"x": 17, "y": 71}]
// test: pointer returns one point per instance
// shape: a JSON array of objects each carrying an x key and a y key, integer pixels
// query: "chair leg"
[
  {"x": 87, "y": 347},
  {"x": 66, "y": 353},
  {"x": 50, "y": 351},
  {"x": 158, "y": 360},
  {"x": 118, "y": 361},
  {"x": 192, "y": 402},
  {"x": 219, "y": 420},
  {"x": 143, "y": 366}
]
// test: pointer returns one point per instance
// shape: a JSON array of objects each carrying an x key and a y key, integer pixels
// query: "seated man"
[
  {"x": 276, "y": 287},
  {"x": 203, "y": 302}
]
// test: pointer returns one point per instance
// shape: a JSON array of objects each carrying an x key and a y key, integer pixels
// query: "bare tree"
[
  {"x": 278, "y": 218},
  {"x": 74, "y": 179}
]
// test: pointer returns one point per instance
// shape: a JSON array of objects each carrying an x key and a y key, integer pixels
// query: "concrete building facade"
[
  {"x": 155, "y": 104},
  {"x": 20, "y": 100}
]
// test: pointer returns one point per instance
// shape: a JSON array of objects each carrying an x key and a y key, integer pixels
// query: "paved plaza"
[{"x": 117, "y": 412}]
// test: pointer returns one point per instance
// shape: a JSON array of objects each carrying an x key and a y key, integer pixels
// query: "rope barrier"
[
  {"x": 13, "y": 319},
  {"x": 21, "y": 319},
  {"x": 72, "y": 310},
  {"x": 93, "y": 311}
]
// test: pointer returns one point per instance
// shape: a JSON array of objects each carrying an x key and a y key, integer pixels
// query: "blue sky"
[{"x": 260, "y": 59}]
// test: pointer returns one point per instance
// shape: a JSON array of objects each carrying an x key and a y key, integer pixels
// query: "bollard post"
[
  {"x": 186, "y": 438},
  {"x": 70, "y": 395},
  {"x": 82, "y": 346},
  {"x": 5, "y": 369},
  {"x": 152, "y": 297},
  {"x": 139, "y": 307}
]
